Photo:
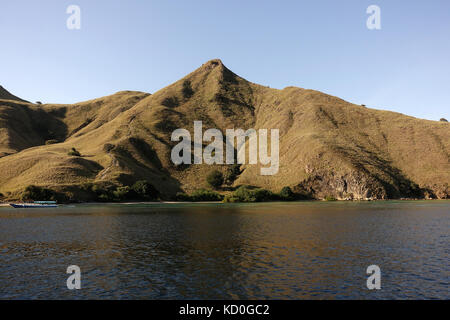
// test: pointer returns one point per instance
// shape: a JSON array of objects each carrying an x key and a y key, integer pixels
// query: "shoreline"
[{"x": 7, "y": 204}]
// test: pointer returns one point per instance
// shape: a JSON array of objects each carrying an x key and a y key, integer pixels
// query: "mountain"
[{"x": 328, "y": 147}]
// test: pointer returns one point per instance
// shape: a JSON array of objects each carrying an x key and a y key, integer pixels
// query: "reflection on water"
[{"x": 307, "y": 250}]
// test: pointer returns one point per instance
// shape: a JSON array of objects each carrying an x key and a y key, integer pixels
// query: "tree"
[
  {"x": 170, "y": 102},
  {"x": 187, "y": 89},
  {"x": 330, "y": 198},
  {"x": 287, "y": 194},
  {"x": 443, "y": 120},
  {"x": 122, "y": 193},
  {"x": 37, "y": 193},
  {"x": 215, "y": 179},
  {"x": 233, "y": 171},
  {"x": 145, "y": 190},
  {"x": 248, "y": 194},
  {"x": 200, "y": 195}
]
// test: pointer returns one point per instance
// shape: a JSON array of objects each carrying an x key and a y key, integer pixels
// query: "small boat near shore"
[{"x": 35, "y": 204}]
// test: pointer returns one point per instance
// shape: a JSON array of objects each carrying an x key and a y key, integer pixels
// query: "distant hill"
[{"x": 328, "y": 147}]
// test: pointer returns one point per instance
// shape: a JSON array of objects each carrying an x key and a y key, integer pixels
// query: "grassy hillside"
[{"x": 328, "y": 147}]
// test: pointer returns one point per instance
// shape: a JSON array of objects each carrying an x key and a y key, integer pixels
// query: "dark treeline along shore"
[{"x": 117, "y": 148}]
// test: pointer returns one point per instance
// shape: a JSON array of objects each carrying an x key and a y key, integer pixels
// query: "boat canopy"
[{"x": 45, "y": 202}]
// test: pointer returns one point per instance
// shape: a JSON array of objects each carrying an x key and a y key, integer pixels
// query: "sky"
[{"x": 146, "y": 45}]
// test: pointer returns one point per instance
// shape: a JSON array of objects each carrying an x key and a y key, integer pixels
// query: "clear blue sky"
[{"x": 146, "y": 45}]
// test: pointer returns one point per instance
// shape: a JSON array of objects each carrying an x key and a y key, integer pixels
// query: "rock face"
[
  {"x": 328, "y": 147},
  {"x": 350, "y": 187},
  {"x": 359, "y": 186}
]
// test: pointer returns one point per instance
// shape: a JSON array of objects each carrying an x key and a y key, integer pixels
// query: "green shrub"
[
  {"x": 187, "y": 89},
  {"x": 95, "y": 188},
  {"x": 229, "y": 198},
  {"x": 200, "y": 195},
  {"x": 181, "y": 196},
  {"x": 103, "y": 193},
  {"x": 122, "y": 193},
  {"x": 87, "y": 186},
  {"x": 206, "y": 195},
  {"x": 287, "y": 194},
  {"x": 264, "y": 195},
  {"x": 144, "y": 190},
  {"x": 215, "y": 179},
  {"x": 170, "y": 102},
  {"x": 74, "y": 152},
  {"x": 246, "y": 194},
  {"x": 104, "y": 198},
  {"x": 51, "y": 141},
  {"x": 233, "y": 171},
  {"x": 37, "y": 193},
  {"x": 330, "y": 198},
  {"x": 141, "y": 190}
]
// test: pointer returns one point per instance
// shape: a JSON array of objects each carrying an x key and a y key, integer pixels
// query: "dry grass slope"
[{"x": 328, "y": 147}]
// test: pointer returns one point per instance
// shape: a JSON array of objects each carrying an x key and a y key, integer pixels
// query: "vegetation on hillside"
[
  {"x": 102, "y": 192},
  {"x": 140, "y": 191},
  {"x": 187, "y": 89},
  {"x": 232, "y": 173},
  {"x": 199, "y": 195},
  {"x": 251, "y": 194},
  {"x": 215, "y": 179},
  {"x": 38, "y": 194}
]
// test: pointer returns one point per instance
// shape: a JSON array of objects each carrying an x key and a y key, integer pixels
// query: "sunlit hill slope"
[{"x": 328, "y": 147}]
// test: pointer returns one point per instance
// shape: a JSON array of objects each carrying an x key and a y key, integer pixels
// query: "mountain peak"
[
  {"x": 209, "y": 74},
  {"x": 214, "y": 62},
  {"x": 212, "y": 65},
  {"x": 217, "y": 70}
]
